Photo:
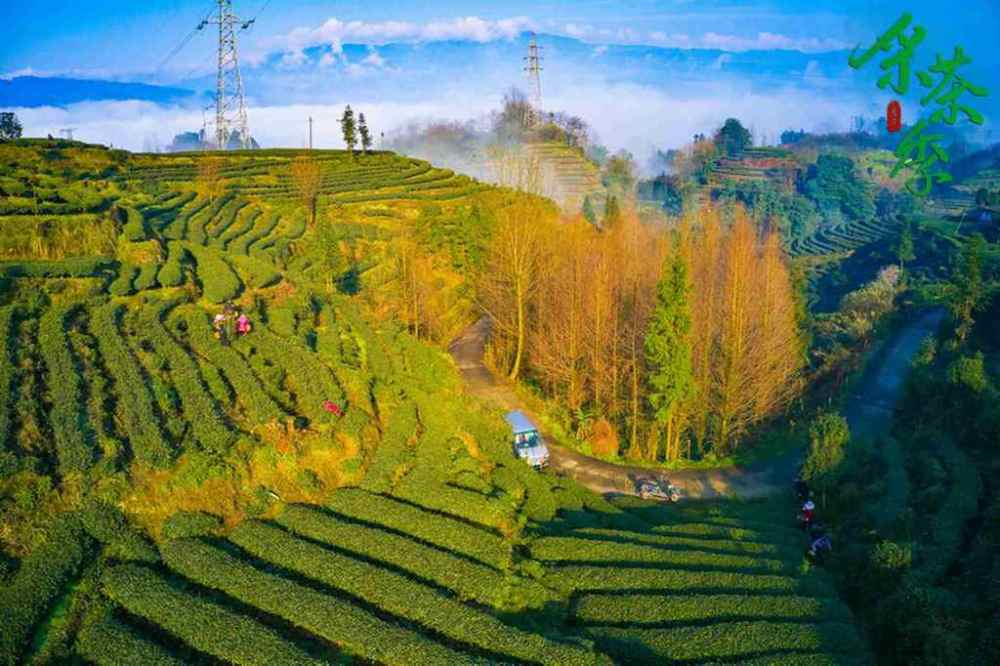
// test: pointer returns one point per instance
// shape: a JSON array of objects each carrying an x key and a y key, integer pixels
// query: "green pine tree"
[
  {"x": 588, "y": 210},
  {"x": 612, "y": 213},
  {"x": 670, "y": 378},
  {"x": 366, "y": 137},
  {"x": 349, "y": 129}
]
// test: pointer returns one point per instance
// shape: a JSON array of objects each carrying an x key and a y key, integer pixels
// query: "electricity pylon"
[
  {"x": 534, "y": 69},
  {"x": 230, "y": 104}
]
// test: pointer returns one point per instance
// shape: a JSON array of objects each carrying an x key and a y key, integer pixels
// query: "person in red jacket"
[{"x": 808, "y": 513}]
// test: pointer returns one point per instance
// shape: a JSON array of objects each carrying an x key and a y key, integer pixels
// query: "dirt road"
[{"x": 868, "y": 412}]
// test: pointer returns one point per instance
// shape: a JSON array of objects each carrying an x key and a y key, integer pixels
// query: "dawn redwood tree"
[
  {"x": 612, "y": 213},
  {"x": 366, "y": 137},
  {"x": 308, "y": 179},
  {"x": 670, "y": 379},
  {"x": 349, "y": 129},
  {"x": 10, "y": 126}
]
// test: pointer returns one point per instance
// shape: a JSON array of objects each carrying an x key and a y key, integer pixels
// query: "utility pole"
[
  {"x": 230, "y": 104},
  {"x": 534, "y": 69},
  {"x": 310, "y": 133}
]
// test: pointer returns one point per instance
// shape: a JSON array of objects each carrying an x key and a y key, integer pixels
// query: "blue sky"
[
  {"x": 119, "y": 38},
  {"x": 609, "y": 61}
]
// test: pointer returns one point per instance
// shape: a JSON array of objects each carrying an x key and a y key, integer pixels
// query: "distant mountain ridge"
[{"x": 36, "y": 91}]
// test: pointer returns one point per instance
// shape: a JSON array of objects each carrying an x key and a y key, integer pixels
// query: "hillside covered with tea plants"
[{"x": 319, "y": 490}]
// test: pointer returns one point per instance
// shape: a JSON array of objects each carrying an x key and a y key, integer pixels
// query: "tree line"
[{"x": 682, "y": 341}]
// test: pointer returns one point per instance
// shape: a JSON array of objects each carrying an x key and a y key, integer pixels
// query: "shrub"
[
  {"x": 324, "y": 615},
  {"x": 573, "y": 549},
  {"x": 259, "y": 274},
  {"x": 7, "y": 372},
  {"x": 78, "y": 267},
  {"x": 263, "y": 229},
  {"x": 638, "y": 608},
  {"x": 205, "y": 626},
  {"x": 122, "y": 286},
  {"x": 828, "y": 437},
  {"x": 235, "y": 231},
  {"x": 135, "y": 403},
  {"x": 147, "y": 276},
  {"x": 199, "y": 408},
  {"x": 134, "y": 230},
  {"x": 108, "y": 642},
  {"x": 219, "y": 282},
  {"x": 313, "y": 380},
  {"x": 259, "y": 406},
  {"x": 587, "y": 577},
  {"x": 468, "y": 579},
  {"x": 727, "y": 641},
  {"x": 190, "y": 524},
  {"x": 68, "y": 415},
  {"x": 172, "y": 272},
  {"x": 447, "y": 533},
  {"x": 41, "y": 577},
  {"x": 403, "y": 597},
  {"x": 103, "y": 521}
]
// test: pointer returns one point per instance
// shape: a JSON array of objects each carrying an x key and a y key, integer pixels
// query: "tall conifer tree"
[{"x": 670, "y": 378}]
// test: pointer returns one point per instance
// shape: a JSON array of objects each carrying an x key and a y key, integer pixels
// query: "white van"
[{"x": 528, "y": 443}]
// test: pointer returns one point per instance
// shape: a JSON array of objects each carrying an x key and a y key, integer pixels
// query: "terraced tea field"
[{"x": 181, "y": 501}]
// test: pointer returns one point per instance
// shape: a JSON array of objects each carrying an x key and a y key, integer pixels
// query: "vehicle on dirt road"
[
  {"x": 528, "y": 443},
  {"x": 658, "y": 490}
]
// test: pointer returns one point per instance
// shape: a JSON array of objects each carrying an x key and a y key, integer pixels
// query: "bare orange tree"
[
  {"x": 308, "y": 179},
  {"x": 208, "y": 181},
  {"x": 513, "y": 271}
]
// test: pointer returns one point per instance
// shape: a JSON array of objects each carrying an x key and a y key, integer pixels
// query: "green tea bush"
[
  {"x": 68, "y": 415},
  {"x": 324, "y": 615},
  {"x": 572, "y": 549},
  {"x": 734, "y": 546},
  {"x": 236, "y": 230},
  {"x": 444, "y": 532},
  {"x": 639, "y": 608},
  {"x": 257, "y": 403},
  {"x": 219, "y": 282},
  {"x": 134, "y": 401},
  {"x": 134, "y": 229},
  {"x": 258, "y": 274},
  {"x": 263, "y": 228},
  {"x": 197, "y": 223},
  {"x": 78, "y": 267},
  {"x": 403, "y": 597},
  {"x": 603, "y": 578},
  {"x": 202, "y": 624},
  {"x": 226, "y": 218},
  {"x": 8, "y": 372},
  {"x": 468, "y": 579},
  {"x": 190, "y": 524},
  {"x": 122, "y": 286},
  {"x": 172, "y": 272},
  {"x": 728, "y": 641},
  {"x": 40, "y": 579},
  {"x": 199, "y": 408},
  {"x": 313, "y": 380},
  {"x": 147, "y": 276},
  {"x": 108, "y": 642}
]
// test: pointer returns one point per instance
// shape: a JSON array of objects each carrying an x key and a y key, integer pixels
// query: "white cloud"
[
  {"x": 470, "y": 28},
  {"x": 600, "y": 50},
  {"x": 373, "y": 59},
  {"x": 709, "y": 40},
  {"x": 631, "y": 116}
]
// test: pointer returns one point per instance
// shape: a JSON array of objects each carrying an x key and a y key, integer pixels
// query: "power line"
[{"x": 184, "y": 42}]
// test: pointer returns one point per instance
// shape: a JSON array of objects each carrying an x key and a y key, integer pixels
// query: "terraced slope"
[
  {"x": 397, "y": 529},
  {"x": 567, "y": 175}
]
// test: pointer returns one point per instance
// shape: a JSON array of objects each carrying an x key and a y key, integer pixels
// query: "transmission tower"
[
  {"x": 230, "y": 104},
  {"x": 534, "y": 70},
  {"x": 68, "y": 133}
]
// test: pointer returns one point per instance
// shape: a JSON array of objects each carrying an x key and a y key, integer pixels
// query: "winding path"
[{"x": 868, "y": 413}]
